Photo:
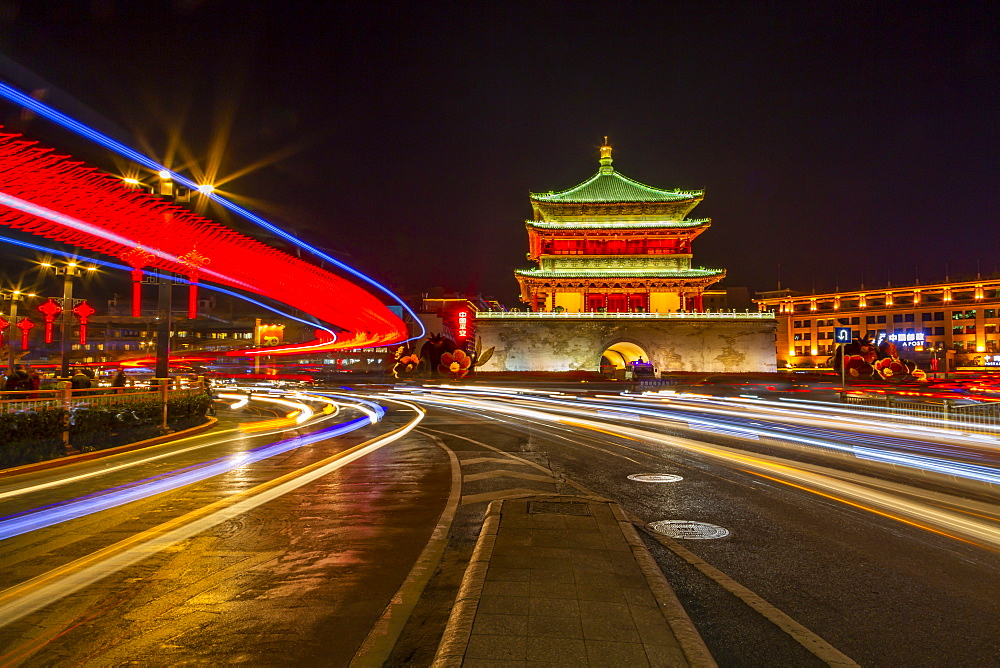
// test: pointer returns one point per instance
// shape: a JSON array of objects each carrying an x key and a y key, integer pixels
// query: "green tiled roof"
[
  {"x": 621, "y": 273},
  {"x": 630, "y": 225},
  {"x": 610, "y": 186}
]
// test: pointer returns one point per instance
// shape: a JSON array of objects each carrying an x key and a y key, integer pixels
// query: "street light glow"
[
  {"x": 165, "y": 175},
  {"x": 131, "y": 181},
  {"x": 206, "y": 189}
]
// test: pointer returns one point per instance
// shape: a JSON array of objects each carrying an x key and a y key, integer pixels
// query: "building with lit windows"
[
  {"x": 611, "y": 244},
  {"x": 954, "y": 323}
]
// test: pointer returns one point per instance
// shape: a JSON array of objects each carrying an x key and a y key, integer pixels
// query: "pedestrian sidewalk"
[{"x": 565, "y": 580}]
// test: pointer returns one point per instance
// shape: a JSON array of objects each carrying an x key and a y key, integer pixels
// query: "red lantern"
[
  {"x": 50, "y": 309},
  {"x": 194, "y": 261},
  {"x": 25, "y": 325},
  {"x": 83, "y": 311},
  {"x": 3, "y": 327},
  {"x": 137, "y": 258}
]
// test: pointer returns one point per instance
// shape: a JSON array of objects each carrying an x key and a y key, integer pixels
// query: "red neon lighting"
[
  {"x": 25, "y": 325},
  {"x": 50, "y": 308},
  {"x": 76, "y": 205},
  {"x": 3, "y": 326}
]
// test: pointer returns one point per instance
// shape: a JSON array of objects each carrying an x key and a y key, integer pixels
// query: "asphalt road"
[
  {"x": 298, "y": 580},
  {"x": 306, "y": 557},
  {"x": 880, "y": 586}
]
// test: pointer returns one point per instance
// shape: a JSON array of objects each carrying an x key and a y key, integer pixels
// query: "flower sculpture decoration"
[
  {"x": 456, "y": 364},
  {"x": 862, "y": 359},
  {"x": 407, "y": 363}
]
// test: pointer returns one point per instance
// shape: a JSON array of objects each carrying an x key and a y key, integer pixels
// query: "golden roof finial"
[{"x": 606, "y": 167}]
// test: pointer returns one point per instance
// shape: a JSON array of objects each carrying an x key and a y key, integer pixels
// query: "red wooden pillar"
[{"x": 697, "y": 306}]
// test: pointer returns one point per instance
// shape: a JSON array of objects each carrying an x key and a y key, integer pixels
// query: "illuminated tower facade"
[{"x": 613, "y": 244}]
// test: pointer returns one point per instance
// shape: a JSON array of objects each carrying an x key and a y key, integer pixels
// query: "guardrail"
[
  {"x": 674, "y": 315},
  {"x": 916, "y": 412},
  {"x": 18, "y": 400}
]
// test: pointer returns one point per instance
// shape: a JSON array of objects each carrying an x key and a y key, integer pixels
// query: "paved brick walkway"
[{"x": 566, "y": 581}]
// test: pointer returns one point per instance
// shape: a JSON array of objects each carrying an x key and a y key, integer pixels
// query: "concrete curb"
[
  {"x": 454, "y": 642},
  {"x": 97, "y": 454},
  {"x": 691, "y": 642}
]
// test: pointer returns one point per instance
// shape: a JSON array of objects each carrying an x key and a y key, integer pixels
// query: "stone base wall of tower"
[{"x": 569, "y": 344}]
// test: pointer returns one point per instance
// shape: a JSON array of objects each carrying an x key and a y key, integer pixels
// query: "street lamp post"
[
  {"x": 68, "y": 271},
  {"x": 164, "y": 303}
]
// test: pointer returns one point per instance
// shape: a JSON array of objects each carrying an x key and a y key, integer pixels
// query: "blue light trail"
[
  {"x": 76, "y": 126},
  {"x": 40, "y": 518}
]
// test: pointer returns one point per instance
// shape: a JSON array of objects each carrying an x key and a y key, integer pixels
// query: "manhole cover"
[
  {"x": 655, "y": 477},
  {"x": 558, "y": 508},
  {"x": 688, "y": 530}
]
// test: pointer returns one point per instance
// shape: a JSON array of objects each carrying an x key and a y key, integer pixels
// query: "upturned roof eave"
[{"x": 564, "y": 196}]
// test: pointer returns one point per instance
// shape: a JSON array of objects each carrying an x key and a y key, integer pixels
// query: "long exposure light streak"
[
  {"x": 863, "y": 493},
  {"x": 77, "y": 224},
  {"x": 176, "y": 279},
  {"x": 72, "y": 124},
  {"x": 34, "y": 594},
  {"x": 33, "y": 520},
  {"x": 726, "y": 423},
  {"x": 218, "y": 438}
]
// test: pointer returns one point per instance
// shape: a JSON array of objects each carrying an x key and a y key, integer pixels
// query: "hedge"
[{"x": 33, "y": 436}]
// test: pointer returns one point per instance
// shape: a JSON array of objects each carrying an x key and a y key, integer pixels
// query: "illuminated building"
[
  {"x": 613, "y": 244},
  {"x": 956, "y": 323}
]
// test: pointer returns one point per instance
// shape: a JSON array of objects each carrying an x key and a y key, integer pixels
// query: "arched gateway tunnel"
[{"x": 708, "y": 342}]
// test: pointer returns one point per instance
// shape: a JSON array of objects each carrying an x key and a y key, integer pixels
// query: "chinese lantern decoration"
[
  {"x": 25, "y": 326},
  {"x": 137, "y": 258},
  {"x": 194, "y": 261},
  {"x": 50, "y": 309},
  {"x": 3, "y": 328},
  {"x": 83, "y": 311}
]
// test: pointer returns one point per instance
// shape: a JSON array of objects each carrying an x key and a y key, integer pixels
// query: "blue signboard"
[{"x": 843, "y": 334}]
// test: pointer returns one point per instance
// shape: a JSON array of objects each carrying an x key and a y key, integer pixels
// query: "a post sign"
[
  {"x": 910, "y": 339},
  {"x": 843, "y": 334}
]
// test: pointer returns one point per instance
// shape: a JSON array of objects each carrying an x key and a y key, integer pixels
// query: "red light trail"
[{"x": 54, "y": 197}]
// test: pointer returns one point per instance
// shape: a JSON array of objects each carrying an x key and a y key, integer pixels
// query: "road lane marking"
[
  {"x": 381, "y": 640},
  {"x": 502, "y": 473},
  {"x": 811, "y": 641},
  {"x": 29, "y": 596},
  {"x": 876, "y": 511},
  {"x": 492, "y": 460}
]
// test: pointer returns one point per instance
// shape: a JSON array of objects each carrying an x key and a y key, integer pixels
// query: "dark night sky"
[{"x": 832, "y": 138}]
